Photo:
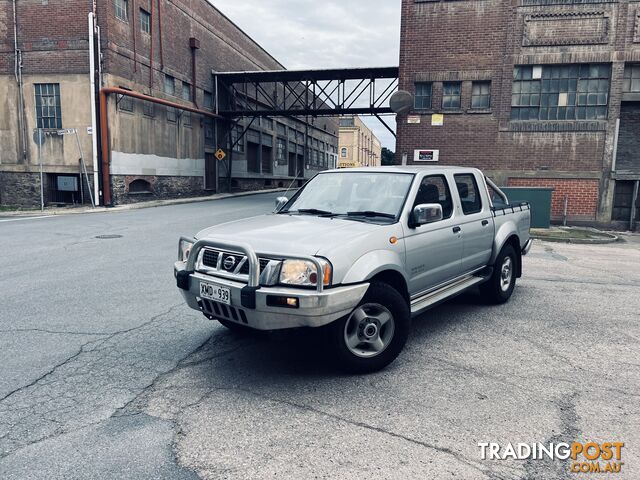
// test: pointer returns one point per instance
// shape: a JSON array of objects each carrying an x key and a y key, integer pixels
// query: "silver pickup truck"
[{"x": 359, "y": 252}]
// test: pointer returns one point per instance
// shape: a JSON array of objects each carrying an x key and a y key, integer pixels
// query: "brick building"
[
  {"x": 358, "y": 145},
  {"x": 535, "y": 92},
  {"x": 165, "y": 49}
]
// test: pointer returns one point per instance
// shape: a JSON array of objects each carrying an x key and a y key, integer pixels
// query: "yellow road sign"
[{"x": 220, "y": 155}]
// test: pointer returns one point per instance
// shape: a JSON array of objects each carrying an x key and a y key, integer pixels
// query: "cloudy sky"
[{"x": 327, "y": 34}]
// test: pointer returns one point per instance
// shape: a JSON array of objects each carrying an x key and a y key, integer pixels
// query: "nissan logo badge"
[{"x": 229, "y": 263}]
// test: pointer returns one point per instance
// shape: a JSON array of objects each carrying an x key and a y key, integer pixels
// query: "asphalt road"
[{"x": 105, "y": 373}]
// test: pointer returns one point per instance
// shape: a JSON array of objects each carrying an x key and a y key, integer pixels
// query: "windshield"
[{"x": 376, "y": 195}]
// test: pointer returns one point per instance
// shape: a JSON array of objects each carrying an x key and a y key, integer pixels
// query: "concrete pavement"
[{"x": 104, "y": 373}]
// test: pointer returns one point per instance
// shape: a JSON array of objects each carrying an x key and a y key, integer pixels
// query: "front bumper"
[{"x": 316, "y": 308}]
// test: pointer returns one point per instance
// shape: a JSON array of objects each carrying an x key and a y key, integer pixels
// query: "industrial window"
[
  {"x": 236, "y": 140},
  {"x": 481, "y": 95},
  {"x": 343, "y": 152},
  {"x": 122, "y": 10},
  {"x": 124, "y": 102},
  {"x": 169, "y": 85},
  {"x": 186, "y": 91},
  {"x": 145, "y": 21},
  {"x": 48, "y": 112},
  {"x": 561, "y": 92},
  {"x": 208, "y": 100},
  {"x": 423, "y": 95},
  {"x": 347, "y": 122},
  {"x": 632, "y": 79},
  {"x": 149, "y": 109},
  {"x": 267, "y": 123},
  {"x": 281, "y": 128},
  {"x": 451, "y": 95}
]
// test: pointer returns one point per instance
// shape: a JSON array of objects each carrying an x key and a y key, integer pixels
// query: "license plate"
[{"x": 214, "y": 292}]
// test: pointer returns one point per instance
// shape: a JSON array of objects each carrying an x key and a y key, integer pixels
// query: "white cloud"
[{"x": 303, "y": 34}]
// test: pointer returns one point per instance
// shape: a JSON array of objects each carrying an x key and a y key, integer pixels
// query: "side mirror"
[
  {"x": 281, "y": 202},
  {"x": 426, "y": 213}
]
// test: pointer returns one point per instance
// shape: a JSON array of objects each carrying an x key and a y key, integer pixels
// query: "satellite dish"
[{"x": 401, "y": 102}]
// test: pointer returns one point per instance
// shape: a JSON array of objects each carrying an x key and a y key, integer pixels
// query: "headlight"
[
  {"x": 304, "y": 273},
  {"x": 184, "y": 249}
]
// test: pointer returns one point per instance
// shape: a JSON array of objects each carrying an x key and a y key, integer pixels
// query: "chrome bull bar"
[{"x": 252, "y": 258}]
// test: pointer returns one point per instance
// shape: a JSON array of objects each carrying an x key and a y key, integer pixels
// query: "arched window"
[
  {"x": 343, "y": 152},
  {"x": 140, "y": 186}
]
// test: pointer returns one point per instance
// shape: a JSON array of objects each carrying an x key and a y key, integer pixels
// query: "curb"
[
  {"x": 580, "y": 241},
  {"x": 136, "y": 206}
]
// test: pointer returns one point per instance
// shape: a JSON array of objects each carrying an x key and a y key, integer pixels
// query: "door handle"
[
  {"x": 457, "y": 229},
  {"x": 485, "y": 223}
]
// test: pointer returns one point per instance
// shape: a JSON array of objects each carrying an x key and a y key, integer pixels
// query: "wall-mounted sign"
[
  {"x": 413, "y": 119},
  {"x": 67, "y": 184},
  {"x": 426, "y": 155},
  {"x": 437, "y": 120}
]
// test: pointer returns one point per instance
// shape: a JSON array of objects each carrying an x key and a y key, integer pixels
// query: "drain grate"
[{"x": 108, "y": 237}]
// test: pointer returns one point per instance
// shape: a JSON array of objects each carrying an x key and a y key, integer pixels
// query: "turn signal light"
[{"x": 283, "y": 302}]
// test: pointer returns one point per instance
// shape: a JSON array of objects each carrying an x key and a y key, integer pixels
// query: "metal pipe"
[
  {"x": 104, "y": 127},
  {"x": 133, "y": 32},
  {"x": 160, "y": 33},
  {"x": 18, "y": 74},
  {"x": 151, "y": 49},
  {"x": 566, "y": 208},
  {"x": 94, "y": 119}
]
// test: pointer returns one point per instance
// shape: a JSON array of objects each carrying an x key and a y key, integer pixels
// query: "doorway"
[
  {"x": 210, "y": 172},
  {"x": 267, "y": 159}
]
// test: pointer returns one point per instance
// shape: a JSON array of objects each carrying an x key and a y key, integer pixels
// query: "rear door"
[
  {"x": 434, "y": 250},
  {"x": 475, "y": 222}
]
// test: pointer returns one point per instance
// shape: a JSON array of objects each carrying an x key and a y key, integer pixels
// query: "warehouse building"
[
  {"x": 164, "y": 53},
  {"x": 538, "y": 93}
]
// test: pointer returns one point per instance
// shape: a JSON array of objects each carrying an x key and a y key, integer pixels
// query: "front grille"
[
  {"x": 229, "y": 262},
  {"x": 210, "y": 258},
  {"x": 245, "y": 268},
  {"x": 215, "y": 310}
]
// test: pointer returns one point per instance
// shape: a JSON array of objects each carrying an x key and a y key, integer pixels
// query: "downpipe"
[{"x": 18, "y": 75}]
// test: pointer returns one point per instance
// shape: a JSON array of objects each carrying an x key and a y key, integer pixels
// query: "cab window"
[
  {"x": 469, "y": 193},
  {"x": 434, "y": 189}
]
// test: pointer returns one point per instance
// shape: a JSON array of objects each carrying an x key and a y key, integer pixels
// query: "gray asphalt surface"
[{"x": 105, "y": 373}]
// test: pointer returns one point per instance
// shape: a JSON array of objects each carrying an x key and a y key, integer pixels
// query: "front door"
[
  {"x": 210, "y": 172},
  {"x": 476, "y": 223},
  {"x": 292, "y": 165},
  {"x": 434, "y": 250}
]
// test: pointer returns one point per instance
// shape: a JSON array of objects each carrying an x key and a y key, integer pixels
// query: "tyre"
[
  {"x": 499, "y": 287},
  {"x": 374, "y": 334}
]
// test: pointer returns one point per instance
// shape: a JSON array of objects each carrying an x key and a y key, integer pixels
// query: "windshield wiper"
[
  {"x": 311, "y": 211},
  {"x": 370, "y": 213}
]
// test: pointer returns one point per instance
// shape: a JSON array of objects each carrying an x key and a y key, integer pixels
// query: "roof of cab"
[{"x": 404, "y": 169}]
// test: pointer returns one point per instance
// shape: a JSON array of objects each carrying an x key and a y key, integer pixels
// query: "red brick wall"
[
  {"x": 582, "y": 194},
  {"x": 52, "y": 35}
]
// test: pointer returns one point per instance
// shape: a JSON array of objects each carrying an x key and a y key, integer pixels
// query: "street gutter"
[{"x": 133, "y": 206}]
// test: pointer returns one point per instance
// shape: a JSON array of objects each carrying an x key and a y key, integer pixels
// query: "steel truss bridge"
[{"x": 306, "y": 93}]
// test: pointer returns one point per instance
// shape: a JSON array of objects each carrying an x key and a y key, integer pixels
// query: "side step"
[{"x": 430, "y": 299}]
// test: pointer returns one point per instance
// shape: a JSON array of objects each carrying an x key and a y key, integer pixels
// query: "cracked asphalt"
[{"x": 105, "y": 373}]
